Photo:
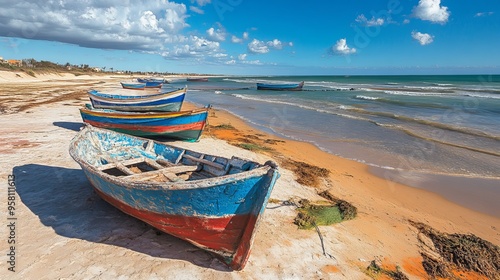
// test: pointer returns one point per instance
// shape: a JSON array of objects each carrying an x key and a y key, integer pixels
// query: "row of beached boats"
[{"x": 214, "y": 202}]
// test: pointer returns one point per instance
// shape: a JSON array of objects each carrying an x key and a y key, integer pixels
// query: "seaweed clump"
[
  {"x": 462, "y": 251},
  {"x": 324, "y": 213},
  {"x": 306, "y": 174},
  {"x": 375, "y": 270}
]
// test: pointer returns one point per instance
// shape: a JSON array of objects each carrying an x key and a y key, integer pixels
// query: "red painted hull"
[{"x": 225, "y": 236}]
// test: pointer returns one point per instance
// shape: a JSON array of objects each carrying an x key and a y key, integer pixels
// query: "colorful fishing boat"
[
  {"x": 165, "y": 101},
  {"x": 144, "y": 80},
  {"x": 213, "y": 202},
  {"x": 293, "y": 86},
  {"x": 153, "y": 84},
  {"x": 138, "y": 86},
  {"x": 183, "y": 125}
]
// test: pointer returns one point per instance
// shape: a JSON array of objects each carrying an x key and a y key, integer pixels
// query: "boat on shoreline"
[
  {"x": 165, "y": 101},
  {"x": 292, "y": 86},
  {"x": 182, "y": 125},
  {"x": 213, "y": 202},
  {"x": 136, "y": 86}
]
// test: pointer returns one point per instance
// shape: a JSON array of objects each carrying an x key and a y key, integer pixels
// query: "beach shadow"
[
  {"x": 63, "y": 199},
  {"x": 75, "y": 126}
]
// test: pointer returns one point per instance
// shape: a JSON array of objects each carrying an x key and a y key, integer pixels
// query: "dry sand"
[{"x": 64, "y": 230}]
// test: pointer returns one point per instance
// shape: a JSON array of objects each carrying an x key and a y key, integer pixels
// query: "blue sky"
[{"x": 257, "y": 37}]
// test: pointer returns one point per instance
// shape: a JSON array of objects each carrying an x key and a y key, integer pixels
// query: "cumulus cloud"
[
  {"x": 260, "y": 47},
  {"x": 431, "y": 10},
  {"x": 218, "y": 35},
  {"x": 195, "y": 47},
  {"x": 422, "y": 38},
  {"x": 372, "y": 22},
  {"x": 139, "y": 25},
  {"x": 235, "y": 39},
  {"x": 242, "y": 56},
  {"x": 341, "y": 48},
  {"x": 196, "y": 10},
  {"x": 257, "y": 46}
]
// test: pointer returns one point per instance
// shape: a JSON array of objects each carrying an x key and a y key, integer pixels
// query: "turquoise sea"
[{"x": 439, "y": 125}]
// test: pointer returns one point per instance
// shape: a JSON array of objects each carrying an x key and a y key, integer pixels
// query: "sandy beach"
[{"x": 64, "y": 230}]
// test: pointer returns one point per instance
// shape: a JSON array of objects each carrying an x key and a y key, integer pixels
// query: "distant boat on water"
[
  {"x": 166, "y": 101},
  {"x": 293, "y": 86},
  {"x": 182, "y": 125},
  {"x": 213, "y": 202},
  {"x": 144, "y": 80},
  {"x": 138, "y": 86},
  {"x": 197, "y": 79}
]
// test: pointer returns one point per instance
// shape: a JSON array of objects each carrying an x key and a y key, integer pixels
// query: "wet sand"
[{"x": 64, "y": 230}]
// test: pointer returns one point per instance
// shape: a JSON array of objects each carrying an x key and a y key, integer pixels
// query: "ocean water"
[{"x": 432, "y": 124}]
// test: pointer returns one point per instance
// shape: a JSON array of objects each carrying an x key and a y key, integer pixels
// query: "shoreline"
[
  {"x": 348, "y": 168},
  {"x": 62, "y": 221}
]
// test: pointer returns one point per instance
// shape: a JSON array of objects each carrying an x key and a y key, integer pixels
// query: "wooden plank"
[
  {"x": 204, "y": 161},
  {"x": 171, "y": 169},
  {"x": 124, "y": 162},
  {"x": 124, "y": 169},
  {"x": 153, "y": 163},
  {"x": 164, "y": 162}
]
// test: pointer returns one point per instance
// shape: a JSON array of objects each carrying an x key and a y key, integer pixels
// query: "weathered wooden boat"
[
  {"x": 153, "y": 84},
  {"x": 144, "y": 80},
  {"x": 183, "y": 125},
  {"x": 133, "y": 85},
  {"x": 170, "y": 101},
  {"x": 197, "y": 79},
  {"x": 293, "y": 86},
  {"x": 213, "y": 202}
]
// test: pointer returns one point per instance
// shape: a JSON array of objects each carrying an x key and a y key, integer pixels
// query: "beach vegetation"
[
  {"x": 253, "y": 147},
  {"x": 376, "y": 271},
  {"x": 458, "y": 252},
  {"x": 306, "y": 174},
  {"x": 323, "y": 213},
  {"x": 224, "y": 126}
]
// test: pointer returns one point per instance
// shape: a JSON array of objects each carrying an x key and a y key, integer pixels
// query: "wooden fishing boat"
[
  {"x": 197, "y": 79},
  {"x": 293, "y": 86},
  {"x": 183, "y": 125},
  {"x": 144, "y": 80},
  {"x": 153, "y": 84},
  {"x": 138, "y": 86},
  {"x": 165, "y": 101},
  {"x": 213, "y": 202}
]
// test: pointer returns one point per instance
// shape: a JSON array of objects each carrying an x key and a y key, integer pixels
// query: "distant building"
[
  {"x": 15, "y": 62},
  {"x": 96, "y": 69}
]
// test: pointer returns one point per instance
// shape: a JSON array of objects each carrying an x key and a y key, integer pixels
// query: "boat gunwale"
[
  {"x": 132, "y": 114},
  {"x": 97, "y": 95},
  {"x": 260, "y": 170}
]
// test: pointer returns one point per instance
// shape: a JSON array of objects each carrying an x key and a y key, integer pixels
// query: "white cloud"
[
  {"x": 195, "y": 47},
  {"x": 257, "y": 46},
  {"x": 140, "y": 25},
  {"x": 275, "y": 44},
  {"x": 218, "y": 35},
  {"x": 432, "y": 11},
  {"x": 422, "y": 38},
  {"x": 372, "y": 22},
  {"x": 242, "y": 56},
  {"x": 290, "y": 44},
  {"x": 231, "y": 62},
  {"x": 237, "y": 40},
  {"x": 341, "y": 48},
  {"x": 196, "y": 10},
  {"x": 483, "y": 14},
  {"x": 406, "y": 21}
]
